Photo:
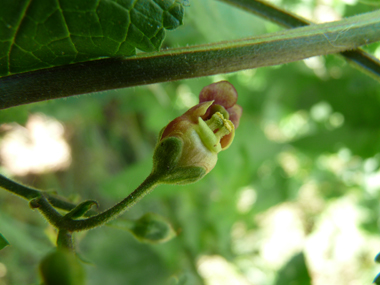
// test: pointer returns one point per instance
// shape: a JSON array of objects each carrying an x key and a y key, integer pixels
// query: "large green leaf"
[{"x": 36, "y": 34}]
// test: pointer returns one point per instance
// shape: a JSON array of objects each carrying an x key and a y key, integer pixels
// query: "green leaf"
[
  {"x": 294, "y": 272},
  {"x": 36, "y": 34},
  {"x": 3, "y": 242},
  {"x": 81, "y": 209}
]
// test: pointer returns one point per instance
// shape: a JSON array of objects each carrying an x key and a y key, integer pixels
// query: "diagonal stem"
[{"x": 358, "y": 57}]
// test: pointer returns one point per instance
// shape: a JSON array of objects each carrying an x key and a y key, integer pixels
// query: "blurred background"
[{"x": 294, "y": 200}]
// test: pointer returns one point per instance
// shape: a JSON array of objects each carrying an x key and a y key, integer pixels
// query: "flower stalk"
[{"x": 67, "y": 223}]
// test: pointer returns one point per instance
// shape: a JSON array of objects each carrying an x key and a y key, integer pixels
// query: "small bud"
[
  {"x": 62, "y": 267},
  {"x": 152, "y": 228}
]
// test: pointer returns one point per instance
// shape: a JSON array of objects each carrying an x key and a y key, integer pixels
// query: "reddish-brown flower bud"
[{"x": 201, "y": 132}]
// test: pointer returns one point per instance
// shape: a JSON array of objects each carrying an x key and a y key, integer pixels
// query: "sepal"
[
  {"x": 166, "y": 158},
  {"x": 81, "y": 209}
]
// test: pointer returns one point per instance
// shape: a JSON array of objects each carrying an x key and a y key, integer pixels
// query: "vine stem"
[
  {"x": 29, "y": 193},
  {"x": 19, "y": 189},
  {"x": 67, "y": 224}
]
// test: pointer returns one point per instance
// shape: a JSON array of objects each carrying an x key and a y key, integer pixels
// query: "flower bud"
[
  {"x": 188, "y": 146},
  {"x": 62, "y": 267},
  {"x": 152, "y": 228}
]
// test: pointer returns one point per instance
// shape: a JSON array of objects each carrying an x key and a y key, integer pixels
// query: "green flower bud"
[
  {"x": 62, "y": 267},
  {"x": 152, "y": 228}
]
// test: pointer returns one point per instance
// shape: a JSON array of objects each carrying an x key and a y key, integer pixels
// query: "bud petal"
[{"x": 223, "y": 93}]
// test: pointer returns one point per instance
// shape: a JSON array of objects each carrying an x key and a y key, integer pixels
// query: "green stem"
[
  {"x": 51, "y": 214},
  {"x": 189, "y": 62},
  {"x": 19, "y": 189},
  {"x": 66, "y": 223},
  {"x": 29, "y": 193},
  {"x": 65, "y": 240},
  {"x": 358, "y": 57}
]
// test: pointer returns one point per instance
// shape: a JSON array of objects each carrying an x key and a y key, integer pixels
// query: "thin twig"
[
  {"x": 71, "y": 225},
  {"x": 30, "y": 193}
]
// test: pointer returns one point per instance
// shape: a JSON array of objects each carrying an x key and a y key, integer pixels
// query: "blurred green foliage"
[
  {"x": 309, "y": 139},
  {"x": 294, "y": 272}
]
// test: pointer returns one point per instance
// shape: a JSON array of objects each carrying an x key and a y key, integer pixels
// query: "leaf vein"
[
  {"x": 67, "y": 27},
  {"x": 15, "y": 34}
]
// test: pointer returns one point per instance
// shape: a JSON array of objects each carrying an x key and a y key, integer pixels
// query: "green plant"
[{"x": 56, "y": 80}]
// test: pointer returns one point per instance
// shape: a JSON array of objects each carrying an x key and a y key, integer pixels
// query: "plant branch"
[
  {"x": 190, "y": 62},
  {"x": 19, "y": 189},
  {"x": 66, "y": 222},
  {"x": 358, "y": 57},
  {"x": 29, "y": 193}
]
